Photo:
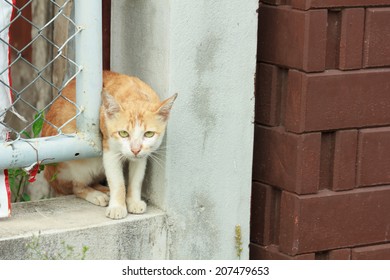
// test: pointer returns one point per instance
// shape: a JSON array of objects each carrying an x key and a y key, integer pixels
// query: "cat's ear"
[
  {"x": 165, "y": 107},
  {"x": 111, "y": 107}
]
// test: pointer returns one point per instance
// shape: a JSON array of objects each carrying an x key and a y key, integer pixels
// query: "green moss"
[{"x": 238, "y": 239}]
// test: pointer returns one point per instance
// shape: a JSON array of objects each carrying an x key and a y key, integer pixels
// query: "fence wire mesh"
[{"x": 41, "y": 53}]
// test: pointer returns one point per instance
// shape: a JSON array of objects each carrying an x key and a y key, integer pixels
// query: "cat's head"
[{"x": 136, "y": 130}]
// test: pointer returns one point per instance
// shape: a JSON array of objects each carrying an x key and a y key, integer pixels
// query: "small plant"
[
  {"x": 19, "y": 178},
  {"x": 36, "y": 251}
]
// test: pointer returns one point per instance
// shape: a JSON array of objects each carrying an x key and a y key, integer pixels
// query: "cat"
[{"x": 133, "y": 121}]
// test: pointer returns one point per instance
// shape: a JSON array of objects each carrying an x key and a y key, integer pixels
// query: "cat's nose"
[{"x": 136, "y": 151}]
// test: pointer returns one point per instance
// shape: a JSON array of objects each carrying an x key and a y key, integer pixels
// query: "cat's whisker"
[
  {"x": 152, "y": 160},
  {"x": 156, "y": 156},
  {"x": 162, "y": 148},
  {"x": 160, "y": 154},
  {"x": 120, "y": 157},
  {"x": 157, "y": 160},
  {"x": 165, "y": 146}
]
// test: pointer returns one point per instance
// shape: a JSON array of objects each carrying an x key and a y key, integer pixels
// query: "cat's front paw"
[
  {"x": 136, "y": 206},
  {"x": 98, "y": 198},
  {"x": 116, "y": 212}
]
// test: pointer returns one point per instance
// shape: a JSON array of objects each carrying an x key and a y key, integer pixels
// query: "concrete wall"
[{"x": 205, "y": 51}]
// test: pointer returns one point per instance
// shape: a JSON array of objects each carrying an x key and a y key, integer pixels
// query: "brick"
[
  {"x": 351, "y": 38},
  {"x": 377, "y": 37},
  {"x": 271, "y": 252},
  {"x": 330, "y": 220},
  {"x": 295, "y": 117},
  {"x": 344, "y": 162},
  {"x": 269, "y": 84},
  {"x": 374, "y": 157},
  {"x": 337, "y": 99},
  {"x": 264, "y": 214},
  {"x": 275, "y": 2},
  {"x": 286, "y": 160},
  {"x": 333, "y": 40},
  {"x": 375, "y": 252},
  {"x": 292, "y": 38},
  {"x": 339, "y": 254},
  {"x": 326, "y": 159},
  {"x": 315, "y": 4}
]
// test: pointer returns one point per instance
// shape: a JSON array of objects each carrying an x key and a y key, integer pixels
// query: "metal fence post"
[{"x": 89, "y": 57}]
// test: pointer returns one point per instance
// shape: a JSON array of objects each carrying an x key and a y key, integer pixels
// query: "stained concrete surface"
[{"x": 69, "y": 221}]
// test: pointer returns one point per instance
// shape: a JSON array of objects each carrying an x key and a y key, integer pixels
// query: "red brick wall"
[{"x": 321, "y": 170}]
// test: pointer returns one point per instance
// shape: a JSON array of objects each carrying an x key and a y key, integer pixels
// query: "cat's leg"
[
  {"x": 113, "y": 167},
  {"x": 136, "y": 176},
  {"x": 101, "y": 188},
  {"x": 89, "y": 194},
  {"x": 75, "y": 177}
]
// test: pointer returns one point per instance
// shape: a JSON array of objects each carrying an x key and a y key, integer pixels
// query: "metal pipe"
[
  {"x": 47, "y": 149},
  {"x": 88, "y": 18}
]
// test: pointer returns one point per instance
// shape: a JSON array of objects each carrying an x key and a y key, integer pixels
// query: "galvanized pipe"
[
  {"x": 88, "y": 18},
  {"x": 46, "y": 150}
]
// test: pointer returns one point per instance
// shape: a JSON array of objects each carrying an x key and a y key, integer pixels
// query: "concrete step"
[{"x": 59, "y": 228}]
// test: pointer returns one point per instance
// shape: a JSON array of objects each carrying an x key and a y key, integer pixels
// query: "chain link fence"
[
  {"x": 62, "y": 42},
  {"x": 46, "y": 62}
]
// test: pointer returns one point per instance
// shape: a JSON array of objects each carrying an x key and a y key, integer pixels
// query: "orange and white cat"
[{"x": 132, "y": 122}]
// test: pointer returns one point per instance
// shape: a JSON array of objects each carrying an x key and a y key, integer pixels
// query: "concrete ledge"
[{"x": 68, "y": 221}]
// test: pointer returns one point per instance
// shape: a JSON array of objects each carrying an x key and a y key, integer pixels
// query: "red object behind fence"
[{"x": 5, "y": 99}]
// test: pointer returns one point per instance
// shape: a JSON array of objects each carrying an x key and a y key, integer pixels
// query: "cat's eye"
[
  {"x": 123, "y": 133},
  {"x": 149, "y": 134}
]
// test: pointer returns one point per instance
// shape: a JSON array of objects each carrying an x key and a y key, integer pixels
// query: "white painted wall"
[{"x": 206, "y": 51}]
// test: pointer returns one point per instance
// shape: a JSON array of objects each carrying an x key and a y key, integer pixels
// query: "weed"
[
  {"x": 37, "y": 251},
  {"x": 19, "y": 178}
]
